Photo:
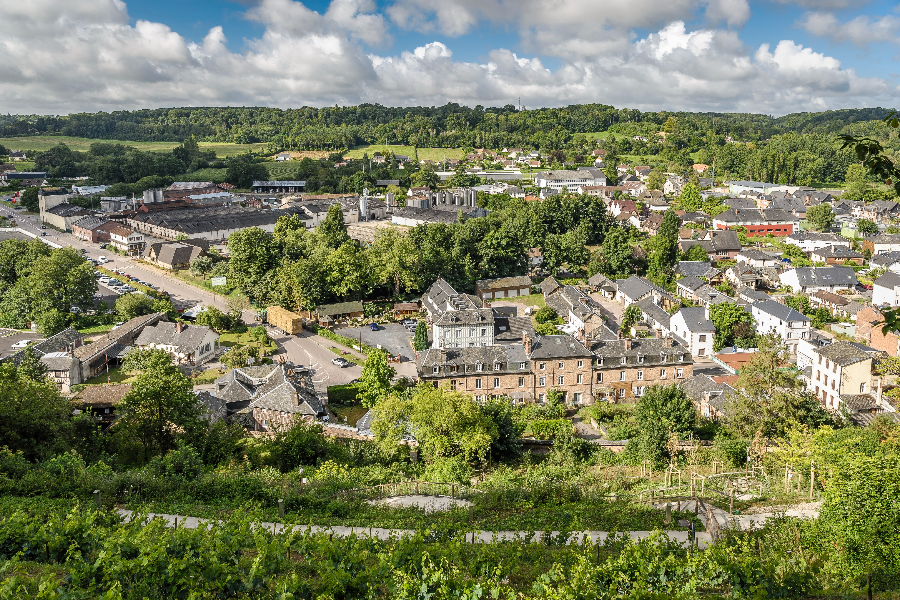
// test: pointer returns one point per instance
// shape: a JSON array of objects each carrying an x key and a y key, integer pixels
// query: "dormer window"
[
  {"x": 624, "y": 360},
  {"x": 478, "y": 366},
  {"x": 435, "y": 369},
  {"x": 496, "y": 366},
  {"x": 641, "y": 359},
  {"x": 522, "y": 366},
  {"x": 680, "y": 357}
]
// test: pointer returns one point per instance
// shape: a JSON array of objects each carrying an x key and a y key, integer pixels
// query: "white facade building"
[{"x": 787, "y": 323}]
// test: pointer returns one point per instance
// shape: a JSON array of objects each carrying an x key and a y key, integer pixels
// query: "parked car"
[
  {"x": 102, "y": 260},
  {"x": 104, "y": 280},
  {"x": 340, "y": 362},
  {"x": 117, "y": 325},
  {"x": 373, "y": 326},
  {"x": 21, "y": 344},
  {"x": 408, "y": 322}
]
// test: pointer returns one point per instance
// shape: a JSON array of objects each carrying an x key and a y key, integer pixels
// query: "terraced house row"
[{"x": 505, "y": 357}]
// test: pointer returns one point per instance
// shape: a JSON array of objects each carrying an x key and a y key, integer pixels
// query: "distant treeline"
[{"x": 449, "y": 126}]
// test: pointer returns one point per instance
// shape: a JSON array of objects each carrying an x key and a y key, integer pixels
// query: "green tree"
[
  {"x": 545, "y": 314},
  {"x": 375, "y": 381},
  {"x": 29, "y": 199},
  {"x": 661, "y": 413},
  {"x": 630, "y": 317},
  {"x": 611, "y": 168},
  {"x": 34, "y": 417},
  {"x": 214, "y": 318},
  {"x": 201, "y": 266},
  {"x": 690, "y": 200},
  {"x": 160, "y": 406},
  {"x": 425, "y": 177},
  {"x": 618, "y": 255},
  {"x": 61, "y": 280},
  {"x": 820, "y": 216},
  {"x": 697, "y": 253},
  {"x": 252, "y": 256},
  {"x": 242, "y": 171},
  {"x": 31, "y": 367},
  {"x": 420, "y": 340},
  {"x": 866, "y": 227},
  {"x": 656, "y": 180},
  {"x": 129, "y": 306},
  {"x": 52, "y": 321},
  {"x": 237, "y": 357},
  {"x": 445, "y": 423},
  {"x": 664, "y": 250},
  {"x": 725, "y": 317},
  {"x": 332, "y": 229},
  {"x": 857, "y": 186}
]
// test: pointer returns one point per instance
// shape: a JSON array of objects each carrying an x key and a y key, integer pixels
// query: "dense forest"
[{"x": 446, "y": 126}]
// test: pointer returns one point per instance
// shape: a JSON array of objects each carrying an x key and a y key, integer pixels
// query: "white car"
[
  {"x": 102, "y": 260},
  {"x": 104, "y": 280},
  {"x": 21, "y": 344}
]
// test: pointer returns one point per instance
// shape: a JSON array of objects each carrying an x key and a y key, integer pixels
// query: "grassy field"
[
  {"x": 116, "y": 375},
  {"x": 214, "y": 175},
  {"x": 39, "y": 143},
  {"x": 596, "y": 135},
  {"x": 424, "y": 153},
  {"x": 286, "y": 171}
]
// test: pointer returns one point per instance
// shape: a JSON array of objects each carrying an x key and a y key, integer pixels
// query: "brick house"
[
  {"x": 778, "y": 222},
  {"x": 91, "y": 229},
  {"x": 623, "y": 369},
  {"x": 869, "y": 322}
]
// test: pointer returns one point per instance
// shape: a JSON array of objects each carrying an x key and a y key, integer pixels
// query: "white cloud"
[
  {"x": 83, "y": 55},
  {"x": 860, "y": 31}
]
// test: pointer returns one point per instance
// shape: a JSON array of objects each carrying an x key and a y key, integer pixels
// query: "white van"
[{"x": 102, "y": 259}]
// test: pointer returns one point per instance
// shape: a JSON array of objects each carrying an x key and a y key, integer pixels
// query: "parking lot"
[
  {"x": 393, "y": 337},
  {"x": 9, "y": 337}
]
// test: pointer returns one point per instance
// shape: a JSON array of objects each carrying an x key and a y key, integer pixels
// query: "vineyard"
[{"x": 286, "y": 171}]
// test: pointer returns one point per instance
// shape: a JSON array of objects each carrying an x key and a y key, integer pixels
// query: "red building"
[{"x": 778, "y": 222}]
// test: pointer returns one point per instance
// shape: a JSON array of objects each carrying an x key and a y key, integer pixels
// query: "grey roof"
[
  {"x": 888, "y": 280},
  {"x": 788, "y": 204},
  {"x": 90, "y": 222},
  {"x": 707, "y": 294},
  {"x": 67, "y": 210},
  {"x": 654, "y": 312},
  {"x": 842, "y": 353},
  {"x": 779, "y": 310},
  {"x": 636, "y": 287},
  {"x": 279, "y": 184},
  {"x": 584, "y": 175},
  {"x": 751, "y": 295},
  {"x": 514, "y": 326},
  {"x": 755, "y": 254},
  {"x": 476, "y": 316},
  {"x": 691, "y": 283},
  {"x": 174, "y": 253},
  {"x": 807, "y": 276},
  {"x": 58, "y": 361},
  {"x": 654, "y": 351},
  {"x": 836, "y": 252},
  {"x": 441, "y": 297},
  {"x": 815, "y": 236},
  {"x": 558, "y": 346},
  {"x": 340, "y": 308},
  {"x": 695, "y": 319},
  {"x": 601, "y": 281},
  {"x": 503, "y": 282},
  {"x": 741, "y": 203},
  {"x": 550, "y": 285},
  {"x": 700, "y": 387},
  {"x": 63, "y": 341},
  {"x": 195, "y": 221},
  {"x": 697, "y": 268},
  {"x": 434, "y": 215},
  {"x": 748, "y": 215},
  {"x": 510, "y": 359},
  {"x": 885, "y": 238},
  {"x": 165, "y": 333},
  {"x": 272, "y": 387},
  {"x": 885, "y": 259}
]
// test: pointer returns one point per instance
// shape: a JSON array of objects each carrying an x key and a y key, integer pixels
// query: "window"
[
  {"x": 599, "y": 377},
  {"x": 521, "y": 382},
  {"x": 452, "y": 384},
  {"x": 621, "y": 392},
  {"x": 576, "y": 397},
  {"x": 578, "y": 379},
  {"x": 496, "y": 366},
  {"x": 820, "y": 359},
  {"x": 496, "y": 382},
  {"x": 561, "y": 380},
  {"x": 681, "y": 358},
  {"x": 542, "y": 381},
  {"x": 862, "y": 388},
  {"x": 522, "y": 365},
  {"x": 580, "y": 363},
  {"x": 702, "y": 337},
  {"x": 541, "y": 366},
  {"x": 478, "y": 384},
  {"x": 621, "y": 375},
  {"x": 478, "y": 367},
  {"x": 641, "y": 359},
  {"x": 600, "y": 362},
  {"x": 662, "y": 373},
  {"x": 483, "y": 331},
  {"x": 640, "y": 375},
  {"x": 459, "y": 333},
  {"x": 639, "y": 390},
  {"x": 435, "y": 370},
  {"x": 827, "y": 364},
  {"x": 471, "y": 331},
  {"x": 624, "y": 359},
  {"x": 818, "y": 375},
  {"x": 560, "y": 365},
  {"x": 679, "y": 373}
]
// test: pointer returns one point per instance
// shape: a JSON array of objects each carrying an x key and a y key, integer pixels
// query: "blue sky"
[{"x": 773, "y": 56}]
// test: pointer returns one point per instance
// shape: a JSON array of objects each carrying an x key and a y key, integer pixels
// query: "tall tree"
[
  {"x": 375, "y": 381},
  {"x": 663, "y": 411},
  {"x": 34, "y": 418},
  {"x": 618, "y": 255},
  {"x": 821, "y": 217},
  {"x": 726, "y": 317},
  {"x": 332, "y": 229},
  {"x": 420, "y": 340},
  {"x": 664, "y": 249},
  {"x": 252, "y": 255},
  {"x": 690, "y": 199}
]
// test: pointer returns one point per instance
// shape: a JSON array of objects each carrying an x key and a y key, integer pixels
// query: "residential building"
[
  {"x": 635, "y": 289},
  {"x": 758, "y": 222},
  {"x": 722, "y": 244},
  {"x": 207, "y": 222},
  {"x": 742, "y": 275},
  {"x": 578, "y": 309},
  {"x": 101, "y": 400},
  {"x": 328, "y": 314},
  {"x": 739, "y": 187},
  {"x": 600, "y": 283},
  {"x": 880, "y": 244},
  {"x": 696, "y": 268},
  {"x": 186, "y": 344},
  {"x": 624, "y": 369},
  {"x": 464, "y": 329},
  {"x": 787, "y": 323},
  {"x": 91, "y": 229},
  {"x": 837, "y": 305},
  {"x": 811, "y": 240},
  {"x": 687, "y": 287},
  {"x": 558, "y": 180},
  {"x": 886, "y": 290},
  {"x": 886, "y": 260},
  {"x": 870, "y": 331},
  {"x": 63, "y": 368},
  {"x": 710, "y": 397},
  {"x": 269, "y": 397},
  {"x": 839, "y": 369},
  {"x": 175, "y": 255},
  {"x": 753, "y": 257},
  {"x": 655, "y": 316},
  {"x": 504, "y": 287},
  {"x": 564, "y": 363},
  {"x": 126, "y": 239},
  {"x": 691, "y": 327},
  {"x": 107, "y": 351},
  {"x": 813, "y": 279},
  {"x": 836, "y": 255}
]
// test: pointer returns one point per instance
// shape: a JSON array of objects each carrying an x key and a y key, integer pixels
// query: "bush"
[
  {"x": 551, "y": 429},
  {"x": 545, "y": 315},
  {"x": 184, "y": 462},
  {"x": 453, "y": 469},
  {"x": 343, "y": 394}
]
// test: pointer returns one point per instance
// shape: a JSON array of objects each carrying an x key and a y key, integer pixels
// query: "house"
[
  {"x": 283, "y": 157},
  {"x": 839, "y": 369},
  {"x": 835, "y": 255},
  {"x": 710, "y": 398},
  {"x": 718, "y": 244},
  {"x": 741, "y": 275},
  {"x": 577, "y": 308},
  {"x": 655, "y": 316},
  {"x": 186, "y": 344},
  {"x": 753, "y": 257},
  {"x": 869, "y": 330},
  {"x": 91, "y": 229},
  {"x": 621, "y": 206},
  {"x": 880, "y": 244},
  {"x": 837, "y": 305},
  {"x": 886, "y": 290},
  {"x": 558, "y": 180},
  {"x": 63, "y": 368},
  {"x": 687, "y": 287},
  {"x": 126, "y": 239},
  {"x": 707, "y": 296},
  {"x": 624, "y": 369},
  {"x": 652, "y": 223},
  {"x": 811, "y": 279},
  {"x": 691, "y": 327},
  {"x": 758, "y": 222},
  {"x": 886, "y": 260},
  {"x": 787, "y": 323},
  {"x": 600, "y": 283},
  {"x": 269, "y": 397},
  {"x": 17, "y": 155},
  {"x": 879, "y": 211},
  {"x": 101, "y": 401},
  {"x": 750, "y": 295},
  {"x": 634, "y": 289},
  {"x": 328, "y": 314},
  {"x": 107, "y": 351},
  {"x": 175, "y": 255},
  {"x": 406, "y": 310},
  {"x": 699, "y": 268},
  {"x": 810, "y": 240},
  {"x": 738, "y": 187},
  {"x": 504, "y": 287}
]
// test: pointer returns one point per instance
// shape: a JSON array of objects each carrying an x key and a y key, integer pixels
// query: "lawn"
[
  {"x": 353, "y": 413},
  {"x": 424, "y": 153},
  {"x": 242, "y": 339},
  {"x": 96, "y": 329},
  {"x": 214, "y": 175},
  {"x": 531, "y": 300},
  {"x": 596, "y": 135},
  {"x": 116, "y": 375},
  {"x": 208, "y": 376},
  {"x": 284, "y": 171},
  {"x": 39, "y": 143}
]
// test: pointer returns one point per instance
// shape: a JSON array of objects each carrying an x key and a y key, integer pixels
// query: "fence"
[{"x": 405, "y": 488}]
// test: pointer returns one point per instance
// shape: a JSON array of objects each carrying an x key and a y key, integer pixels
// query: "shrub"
[
  {"x": 343, "y": 394},
  {"x": 551, "y": 429}
]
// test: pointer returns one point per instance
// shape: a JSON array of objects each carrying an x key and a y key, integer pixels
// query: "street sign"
[{"x": 217, "y": 281}]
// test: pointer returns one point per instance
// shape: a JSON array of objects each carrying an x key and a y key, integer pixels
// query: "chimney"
[
  {"x": 878, "y": 398},
  {"x": 178, "y": 327},
  {"x": 627, "y": 344},
  {"x": 528, "y": 343}
]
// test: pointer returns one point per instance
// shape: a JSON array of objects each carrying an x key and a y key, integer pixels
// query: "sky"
[{"x": 773, "y": 57}]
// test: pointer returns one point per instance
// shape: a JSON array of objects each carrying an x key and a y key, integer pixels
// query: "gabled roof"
[
  {"x": 90, "y": 222},
  {"x": 654, "y": 312},
  {"x": 748, "y": 215},
  {"x": 888, "y": 280},
  {"x": 695, "y": 319},
  {"x": 690, "y": 283},
  {"x": 779, "y": 310},
  {"x": 837, "y": 252},
  {"x": 165, "y": 333},
  {"x": 558, "y": 346},
  {"x": 755, "y": 254},
  {"x": 636, "y": 287},
  {"x": 842, "y": 353},
  {"x": 827, "y": 276}
]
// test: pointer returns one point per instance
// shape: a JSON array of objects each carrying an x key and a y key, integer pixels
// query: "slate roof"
[
  {"x": 174, "y": 253},
  {"x": 888, "y": 280},
  {"x": 550, "y": 285},
  {"x": 601, "y": 281},
  {"x": 515, "y": 327},
  {"x": 755, "y": 254},
  {"x": 67, "y": 210},
  {"x": 269, "y": 387},
  {"x": 652, "y": 349},
  {"x": 101, "y": 396},
  {"x": 807, "y": 276},
  {"x": 885, "y": 259},
  {"x": 842, "y": 353},
  {"x": 695, "y": 319},
  {"x": 746, "y": 215},
  {"x": 697, "y": 268},
  {"x": 106, "y": 344},
  {"x": 831, "y": 297},
  {"x": 166, "y": 333},
  {"x": 698, "y": 387},
  {"x": 90, "y": 222},
  {"x": 836, "y": 252},
  {"x": 477, "y": 316},
  {"x": 340, "y": 308},
  {"x": 751, "y": 295},
  {"x": 691, "y": 283},
  {"x": 779, "y": 310},
  {"x": 636, "y": 287},
  {"x": 654, "y": 312},
  {"x": 503, "y": 282},
  {"x": 509, "y": 357},
  {"x": 61, "y": 342},
  {"x": 885, "y": 238},
  {"x": 814, "y": 236}
]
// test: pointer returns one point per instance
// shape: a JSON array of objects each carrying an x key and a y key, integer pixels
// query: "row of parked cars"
[{"x": 118, "y": 285}]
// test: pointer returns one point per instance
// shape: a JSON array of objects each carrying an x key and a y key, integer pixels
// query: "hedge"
[
  {"x": 551, "y": 428},
  {"x": 343, "y": 394}
]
